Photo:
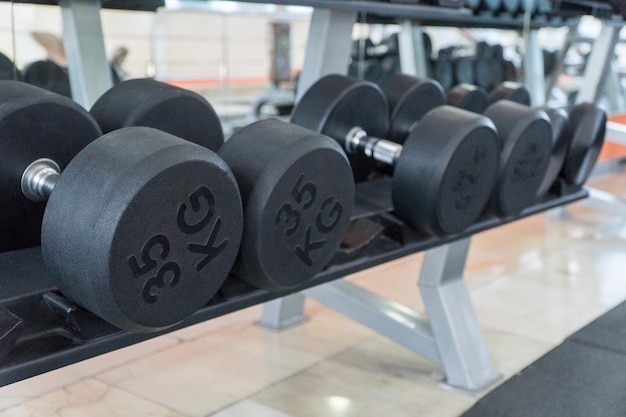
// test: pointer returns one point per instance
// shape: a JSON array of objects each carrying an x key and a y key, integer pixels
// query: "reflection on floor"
[{"x": 533, "y": 283}]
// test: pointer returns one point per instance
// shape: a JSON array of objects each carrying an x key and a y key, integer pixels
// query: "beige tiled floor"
[{"x": 533, "y": 283}]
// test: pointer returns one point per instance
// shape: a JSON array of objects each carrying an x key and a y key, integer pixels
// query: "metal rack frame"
[{"x": 450, "y": 336}]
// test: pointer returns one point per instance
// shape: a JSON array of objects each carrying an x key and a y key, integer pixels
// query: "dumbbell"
[
  {"x": 512, "y": 6},
  {"x": 468, "y": 97},
  {"x": 529, "y": 149},
  {"x": 483, "y": 65},
  {"x": 585, "y": 135},
  {"x": 410, "y": 98},
  {"x": 473, "y": 4},
  {"x": 464, "y": 71},
  {"x": 477, "y": 99},
  {"x": 298, "y": 192},
  {"x": 34, "y": 124},
  {"x": 512, "y": 91},
  {"x": 492, "y": 6},
  {"x": 497, "y": 65},
  {"x": 140, "y": 227},
  {"x": 588, "y": 128},
  {"x": 619, "y": 7},
  {"x": 151, "y": 103},
  {"x": 48, "y": 75},
  {"x": 545, "y": 7},
  {"x": 8, "y": 70},
  {"x": 443, "y": 70},
  {"x": 295, "y": 213},
  {"x": 529, "y": 7},
  {"x": 445, "y": 171}
]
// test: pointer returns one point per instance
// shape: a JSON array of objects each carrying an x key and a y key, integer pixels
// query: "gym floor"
[{"x": 533, "y": 283}]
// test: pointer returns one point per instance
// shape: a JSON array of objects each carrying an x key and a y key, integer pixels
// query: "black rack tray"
[{"x": 53, "y": 332}]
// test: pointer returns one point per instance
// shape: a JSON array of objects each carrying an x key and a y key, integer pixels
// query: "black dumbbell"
[
  {"x": 529, "y": 7},
  {"x": 586, "y": 133},
  {"x": 577, "y": 139},
  {"x": 295, "y": 212},
  {"x": 49, "y": 76},
  {"x": 476, "y": 99},
  {"x": 141, "y": 227},
  {"x": 497, "y": 65},
  {"x": 34, "y": 124},
  {"x": 512, "y": 7},
  {"x": 443, "y": 70},
  {"x": 464, "y": 70},
  {"x": 8, "y": 70},
  {"x": 151, "y": 103},
  {"x": 468, "y": 97},
  {"x": 473, "y": 4},
  {"x": 410, "y": 98},
  {"x": 488, "y": 6},
  {"x": 483, "y": 65},
  {"x": 526, "y": 136},
  {"x": 529, "y": 147},
  {"x": 545, "y": 7},
  {"x": 493, "y": 6},
  {"x": 445, "y": 171},
  {"x": 298, "y": 194},
  {"x": 512, "y": 91},
  {"x": 588, "y": 128}
]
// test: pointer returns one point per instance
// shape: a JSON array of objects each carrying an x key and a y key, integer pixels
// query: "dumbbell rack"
[{"x": 55, "y": 332}]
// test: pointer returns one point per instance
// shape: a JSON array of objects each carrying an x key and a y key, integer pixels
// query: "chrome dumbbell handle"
[
  {"x": 385, "y": 151},
  {"x": 39, "y": 179}
]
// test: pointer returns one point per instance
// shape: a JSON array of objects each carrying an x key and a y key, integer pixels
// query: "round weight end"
[
  {"x": 447, "y": 170},
  {"x": 410, "y": 98},
  {"x": 511, "y": 91},
  {"x": 151, "y": 103},
  {"x": 561, "y": 139},
  {"x": 8, "y": 70},
  {"x": 49, "y": 76},
  {"x": 468, "y": 97},
  {"x": 298, "y": 195},
  {"x": 156, "y": 224},
  {"x": 588, "y": 124},
  {"x": 527, "y": 145},
  {"x": 464, "y": 70},
  {"x": 34, "y": 124},
  {"x": 335, "y": 104}
]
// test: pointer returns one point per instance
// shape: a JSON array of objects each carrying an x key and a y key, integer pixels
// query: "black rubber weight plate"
[
  {"x": 298, "y": 193},
  {"x": 49, "y": 76},
  {"x": 444, "y": 71},
  {"x": 150, "y": 103},
  {"x": 8, "y": 71},
  {"x": 588, "y": 123},
  {"x": 482, "y": 69},
  {"x": 142, "y": 228},
  {"x": 464, "y": 70},
  {"x": 527, "y": 145},
  {"x": 513, "y": 6},
  {"x": 410, "y": 98},
  {"x": 446, "y": 172},
  {"x": 335, "y": 104},
  {"x": 511, "y": 91},
  {"x": 34, "y": 124},
  {"x": 561, "y": 139},
  {"x": 468, "y": 97}
]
